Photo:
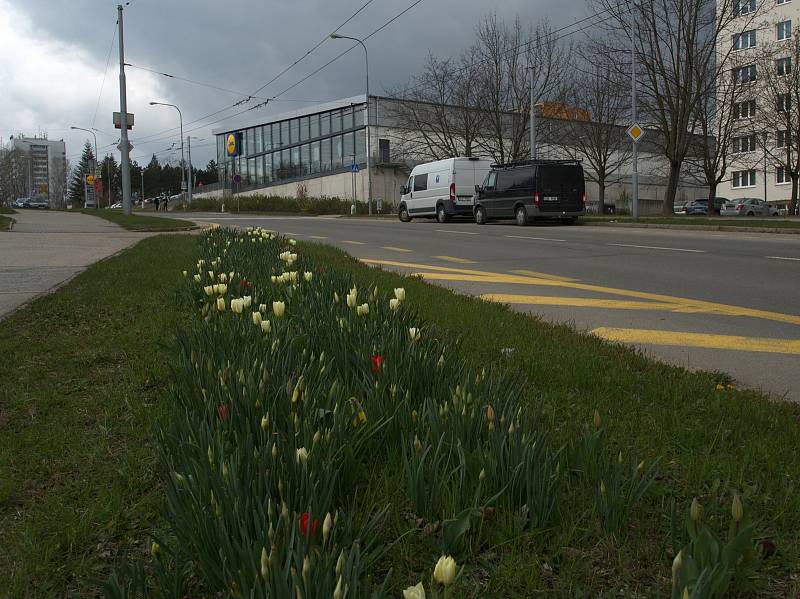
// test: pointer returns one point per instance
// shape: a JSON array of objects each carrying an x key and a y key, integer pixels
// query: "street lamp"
[
  {"x": 337, "y": 36},
  {"x": 180, "y": 116},
  {"x": 96, "y": 158}
]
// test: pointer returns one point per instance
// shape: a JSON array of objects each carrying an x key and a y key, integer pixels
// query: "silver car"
[{"x": 748, "y": 207}]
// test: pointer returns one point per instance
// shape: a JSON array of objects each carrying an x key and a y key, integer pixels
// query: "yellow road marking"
[
  {"x": 456, "y": 260},
  {"x": 351, "y": 242},
  {"x": 541, "y": 275},
  {"x": 580, "y": 302},
  {"x": 703, "y": 340},
  {"x": 317, "y": 237},
  {"x": 687, "y": 304},
  {"x": 394, "y": 249}
]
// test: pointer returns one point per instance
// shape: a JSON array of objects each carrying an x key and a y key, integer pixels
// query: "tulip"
[
  {"x": 335, "y": 298},
  {"x": 221, "y": 304},
  {"x": 274, "y": 279},
  {"x": 445, "y": 571},
  {"x": 266, "y": 327},
  {"x": 677, "y": 564},
  {"x": 222, "y": 288},
  {"x": 417, "y": 444},
  {"x": 308, "y": 276},
  {"x": 338, "y": 593},
  {"x": 223, "y": 278},
  {"x": 264, "y": 423},
  {"x": 197, "y": 278},
  {"x": 400, "y": 293},
  {"x": 211, "y": 274},
  {"x": 695, "y": 510},
  {"x": 302, "y": 455},
  {"x": 278, "y": 308},
  {"x": 209, "y": 290},
  {"x": 415, "y": 592},
  {"x": 340, "y": 560},
  {"x": 274, "y": 451},
  {"x": 247, "y": 301},
  {"x": 414, "y": 334},
  {"x": 264, "y": 563},
  {"x": 363, "y": 310},
  {"x": 597, "y": 420},
  {"x": 257, "y": 318},
  {"x": 317, "y": 437},
  {"x": 326, "y": 527},
  {"x": 262, "y": 307},
  {"x": 185, "y": 273},
  {"x": 352, "y": 299},
  {"x": 236, "y": 306},
  {"x": 292, "y": 242},
  {"x": 736, "y": 508},
  {"x": 155, "y": 550},
  {"x": 394, "y": 304}
]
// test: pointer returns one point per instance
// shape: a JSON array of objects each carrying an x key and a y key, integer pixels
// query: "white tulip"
[
  {"x": 394, "y": 304},
  {"x": 415, "y": 592},
  {"x": 236, "y": 306},
  {"x": 257, "y": 318},
  {"x": 445, "y": 571},
  {"x": 209, "y": 290},
  {"x": 221, "y": 304},
  {"x": 292, "y": 242},
  {"x": 247, "y": 301},
  {"x": 266, "y": 327},
  {"x": 414, "y": 333},
  {"x": 197, "y": 278},
  {"x": 278, "y": 308},
  {"x": 400, "y": 293},
  {"x": 363, "y": 310},
  {"x": 302, "y": 455},
  {"x": 308, "y": 276}
]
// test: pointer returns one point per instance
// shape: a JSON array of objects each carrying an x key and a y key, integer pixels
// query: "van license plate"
[{"x": 550, "y": 199}]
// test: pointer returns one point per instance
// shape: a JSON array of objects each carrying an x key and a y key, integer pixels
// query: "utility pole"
[
  {"x": 141, "y": 197},
  {"x": 533, "y": 114},
  {"x": 123, "y": 113},
  {"x": 635, "y": 156},
  {"x": 189, "y": 182}
]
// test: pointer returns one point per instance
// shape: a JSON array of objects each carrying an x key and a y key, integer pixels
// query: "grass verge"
[
  {"x": 5, "y": 223},
  {"x": 695, "y": 221},
  {"x": 4, "y": 210},
  {"x": 83, "y": 374},
  {"x": 136, "y": 222}
]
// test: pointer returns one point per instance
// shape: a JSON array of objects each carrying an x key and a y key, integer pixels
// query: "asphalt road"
[{"x": 699, "y": 299}]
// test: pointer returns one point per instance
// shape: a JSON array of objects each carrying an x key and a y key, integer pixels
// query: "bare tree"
[
  {"x": 672, "y": 40},
  {"x": 595, "y": 88},
  {"x": 778, "y": 70}
]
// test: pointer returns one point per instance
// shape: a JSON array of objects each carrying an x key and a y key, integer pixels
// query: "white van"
[{"x": 442, "y": 189}]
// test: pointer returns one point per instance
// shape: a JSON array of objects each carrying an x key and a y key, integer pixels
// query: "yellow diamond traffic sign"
[
  {"x": 90, "y": 180},
  {"x": 635, "y": 132}
]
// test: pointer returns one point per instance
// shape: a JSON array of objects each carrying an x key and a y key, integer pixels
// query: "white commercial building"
[{"x": 37, "y": 168}]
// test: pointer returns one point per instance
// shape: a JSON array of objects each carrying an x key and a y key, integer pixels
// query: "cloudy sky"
[{"x": 54, "y": 55}]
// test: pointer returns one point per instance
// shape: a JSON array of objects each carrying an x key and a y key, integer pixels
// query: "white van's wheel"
[
  {"x": 441, "y": 215},
  {"x": 403, "y": 214},
  {"x": 480, "y": 216},
  {"x": 521, "y": 216}
]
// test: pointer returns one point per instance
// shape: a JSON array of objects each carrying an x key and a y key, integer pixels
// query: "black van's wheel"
[
  {"x": 521, "y": 215},
  {"x": 480, "y": 215},
  {"x": 441, "y": 215},
  {"x": 403, "y": 214}
]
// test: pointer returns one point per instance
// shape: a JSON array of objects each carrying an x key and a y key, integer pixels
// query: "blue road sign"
[
  {"x": 237, "y": 178},
  {"x": 354, "y": 168}
]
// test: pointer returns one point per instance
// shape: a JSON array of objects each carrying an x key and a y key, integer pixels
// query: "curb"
[{"x": 788, "y": 230}]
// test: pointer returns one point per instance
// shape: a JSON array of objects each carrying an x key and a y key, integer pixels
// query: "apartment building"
[{"x": 37, "y": 168}]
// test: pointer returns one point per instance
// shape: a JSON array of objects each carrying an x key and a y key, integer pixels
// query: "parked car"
[
  {"x": 39, "y": 203},
  {"x": 699, "y": 207},
  {"x": 116, "y": 205},
  {"x": 553, "y": 189},
  {"x": 443, "y": 188},
  {"x": 21, "y": 203},
  {"x": 749, "y": 207}
]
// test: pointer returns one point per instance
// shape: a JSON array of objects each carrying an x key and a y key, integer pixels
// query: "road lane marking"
[
  {"x": 577, "y": 302},
  {"x": 351, "y": 242},
  {"x": 391, "y": 248},
  {"x": 541, "y": 275},
  {"x": 702, "y": 340},
  {"x": 534, "y": 238},
  {"x": 454, "y": 259},
  {"x": 783, "y": 258},
  {"x": 656, "y": 247},
  {"x": 686, "y": 304},
  {"x": 317, "y": 237},
  {"x": 459, "y": 232}
]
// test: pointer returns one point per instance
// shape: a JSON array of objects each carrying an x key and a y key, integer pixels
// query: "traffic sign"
[
  {"x": 90, "y": 180},
  {"x": 355, "y": 168},
  {"x": 237, "y": 178},
  {"x": 118, "y": 120},
  {"x": 232, "y": 144},
  {"x": 635, "y": 132}
]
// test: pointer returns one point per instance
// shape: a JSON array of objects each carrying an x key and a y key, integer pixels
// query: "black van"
[{"x": 524, "y": 191}]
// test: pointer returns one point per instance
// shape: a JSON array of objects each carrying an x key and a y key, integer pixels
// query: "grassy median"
[
  {"x": 5, "y": 223},
  {"x": 85, "y": 377},
  {"x": 136, "y": 222},
  {"x": 698, "y": 221},
  {"x": 83, "y": 374}
]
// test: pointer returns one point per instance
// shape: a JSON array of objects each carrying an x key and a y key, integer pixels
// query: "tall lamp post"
[
  {"x": 337, "y": 36},
  {"x": 764, "y": 143},
  {"x": 96, "y": 157},
  {"x": 183, "y": 161}
]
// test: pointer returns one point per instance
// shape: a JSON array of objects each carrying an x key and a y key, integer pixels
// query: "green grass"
[
  {"x": 4, "y": 210},
  {"x": 83, "y": 376},
  {"x": 85, "y": 369},
  {"x": 695, "y": 221},
  {"x": 5, "y": 223},
  {"x": 136, "y": 222},
  {"x": 711, "y": 444}
]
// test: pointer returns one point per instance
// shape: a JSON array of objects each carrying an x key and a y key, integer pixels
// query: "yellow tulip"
[
  {"x": 415, "y": 592},
  {"x": 278, "y": 308},
  {"x": 400, "y": 293},
  {"x": 445, "y": 571},
  {"x": 221, "y": 304},
  {"x": 266, "y": 327},
  {"x": 394, "y": 304},
  {"x": 257, "y": 318}
]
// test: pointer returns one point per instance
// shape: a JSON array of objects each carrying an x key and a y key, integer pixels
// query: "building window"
[
  {"x": 744, "y": 110},
  {"x": 284, "y": 140},
  {"x": 326, "y": 155},
  {"x": 781, "y": 138},
  {"x": 325, "y": 124},
  {"x": 744, "y": 178},
  {"x": 249, "y": 145},
  {"x": 745, "y": 75},
  {"x": 336, "y": 121},
  {"x": 744, "y": 7},
  {"x": 268, "y": 168},
  {"x": 347, "y": 118},
  {"x": 361, "y": 146},
  {"x": 784, "y": 30},
  {"x": 784, "y": 100},
  {"x": 314, "y": 126},
  {"x": 784, "y": 1},
  {"x": 781, "y": 175},
  {"x": 267, "y": 138},
  {"x": 742, "y": 41},
  {"x": 746, "y": 143},
  {"x": 315, "y": 158},
  {"x": 304, "y": 124},
  {"x": 305, "y": 159},
  {"x": 337, "y": 152},
  {"x": 783, "y": 65},
  {"x": 259, "y": 147}
]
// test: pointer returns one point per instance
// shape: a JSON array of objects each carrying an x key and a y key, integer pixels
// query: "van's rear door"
[{"x": 561, "y": 187}]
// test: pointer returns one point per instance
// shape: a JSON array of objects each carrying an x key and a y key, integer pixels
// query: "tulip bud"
[
  {"x": 264, "y": 563},
  {"x": 266, "y": 327},
  {"x": 155, "y": 550},
  {"x": 737, "y": 510},
  {"x": 257, "y": 318},
  {"x": 335, "y": 298},
  {"x": 340, "y": 562},
  {"x": 274, "y": 451},
  {"x": 619, "y": 457},
  {"x": 602, "y": 488},
  {"x": 597, "y": 420},
  {"x": 302, "y": 455},
  {"x": 326, "y": 527},
  {"x": 306, "y": 573},
  {"x": 482, "y": 475},
  {"x": 685, "y": 593},
  {"x": 317, "y": 437},
  {"x": 445, "y": 571},
  {"x": 185, "y": 274},
  {"x": 695, "y": 510},
  {"x": 338, "y": 593},
  {"x": 264, "y": 423},
  {"x": 677, "y": 563},
  {"x": 417, "y": 444},
  {"x": 415, "y": 592}
]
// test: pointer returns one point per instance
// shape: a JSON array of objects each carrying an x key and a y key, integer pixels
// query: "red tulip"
[
  {"x": 377, "y": 363},
  {"x": 222, "y": 410},
  {"x": 303, "y": 523}
]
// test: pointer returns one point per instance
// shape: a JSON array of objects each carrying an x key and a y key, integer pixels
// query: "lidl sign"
[{"x": 232, "y": 144}]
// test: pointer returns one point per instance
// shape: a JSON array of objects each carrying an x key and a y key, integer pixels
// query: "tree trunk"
[
  {"x": 667, "y": 209},
  {"x": 793, "y": 206},
  {"x": 712, "y": 194},
  {"x": 601, "y": 196}
]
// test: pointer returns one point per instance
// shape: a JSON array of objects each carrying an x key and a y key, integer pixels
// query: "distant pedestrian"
[
  {"x": 156, "y": 203},
  {"x": 166, "y": 204}
]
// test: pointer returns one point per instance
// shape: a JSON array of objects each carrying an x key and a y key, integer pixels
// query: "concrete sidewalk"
[{"x": 47, "y": 248}]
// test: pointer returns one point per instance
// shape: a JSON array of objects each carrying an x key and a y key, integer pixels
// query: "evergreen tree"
[{"x": 79, "y": 173}]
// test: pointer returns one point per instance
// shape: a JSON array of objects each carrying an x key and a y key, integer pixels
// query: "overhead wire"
[{"x": 105, "y": 74}]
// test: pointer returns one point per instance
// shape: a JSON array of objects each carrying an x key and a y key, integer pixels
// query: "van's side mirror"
[
  {"x": 403, "y": 190},
  {"x": 477, "y": 189}
]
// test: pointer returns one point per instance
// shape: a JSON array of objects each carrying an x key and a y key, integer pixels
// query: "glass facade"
[{"x": 310, "y": 145}]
